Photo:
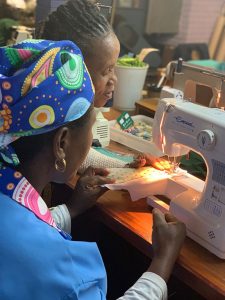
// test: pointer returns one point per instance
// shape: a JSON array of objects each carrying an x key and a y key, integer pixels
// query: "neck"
[{"x": 37, "y": 174}]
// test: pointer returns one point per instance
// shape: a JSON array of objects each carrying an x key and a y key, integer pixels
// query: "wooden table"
[{"x": 197, "y": 267}]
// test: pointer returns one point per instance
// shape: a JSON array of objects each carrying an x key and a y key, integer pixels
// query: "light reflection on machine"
[{"x": 180, "y": 126}]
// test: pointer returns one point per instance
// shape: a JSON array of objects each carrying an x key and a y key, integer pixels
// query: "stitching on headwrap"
[
  {"x": 5, "y": 118},
  {"x": 71, "y": 74},
  {"x": 18, "y": 56},
  {"x": 9, "y": 156},
  {"x": 41, "y": 71}
]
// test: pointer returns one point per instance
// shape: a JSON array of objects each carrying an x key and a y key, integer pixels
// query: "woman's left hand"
[
  {"x": 146, "y": 159},
  {"x": 88, "y": 189}
]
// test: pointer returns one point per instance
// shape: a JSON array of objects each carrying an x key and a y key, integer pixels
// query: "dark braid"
[{"x": 76, "y": 20}]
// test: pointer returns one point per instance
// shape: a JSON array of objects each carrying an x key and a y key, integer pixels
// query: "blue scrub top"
[{"x": 37, "y": 263}]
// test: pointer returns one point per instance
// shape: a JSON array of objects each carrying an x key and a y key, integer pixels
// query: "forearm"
[
  {"x": 162, "y": 266},
  {"x": 149, "y": 286}
]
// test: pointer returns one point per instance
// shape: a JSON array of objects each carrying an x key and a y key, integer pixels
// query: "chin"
[
  {"x": 63, "y": 178},
  {"x": 73, "y": 175},
  {"x": 101, "y": 101}
]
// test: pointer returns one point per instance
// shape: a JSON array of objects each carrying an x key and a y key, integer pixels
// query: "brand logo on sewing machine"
[{"x": 179, "y": 119}]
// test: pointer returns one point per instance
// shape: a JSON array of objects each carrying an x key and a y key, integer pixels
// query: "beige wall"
[{"x": 197, "y": 21}]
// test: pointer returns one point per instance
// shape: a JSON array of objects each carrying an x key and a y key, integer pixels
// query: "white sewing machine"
[{"x": 180, "y": 126}]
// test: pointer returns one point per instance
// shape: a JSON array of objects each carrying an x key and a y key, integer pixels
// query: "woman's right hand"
[
  {"x": 168, "y": 234},
  {"x": 89, "y": 187},
  {"x": 167, "y": 239}
]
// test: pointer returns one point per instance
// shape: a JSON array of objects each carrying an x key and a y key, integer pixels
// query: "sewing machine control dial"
[{"x": 206, "y": 139}]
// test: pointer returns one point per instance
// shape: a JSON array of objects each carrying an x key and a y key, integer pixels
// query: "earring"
[{"x": 60, "y": 165}]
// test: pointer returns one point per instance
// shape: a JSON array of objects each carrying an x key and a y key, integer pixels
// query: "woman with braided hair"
[{"x": 82, "y": 22}]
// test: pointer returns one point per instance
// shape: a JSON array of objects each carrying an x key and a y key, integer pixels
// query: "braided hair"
[{"x": 76, "y": 20}]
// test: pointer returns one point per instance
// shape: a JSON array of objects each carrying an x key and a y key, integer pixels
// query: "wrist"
[
  {"x": 165, "y": 253},
  {"x": 162, "y": 265},
  {"x": 72, "y": 211}
]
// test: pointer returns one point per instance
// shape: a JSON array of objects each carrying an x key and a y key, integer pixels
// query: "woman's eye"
[{"x": 107, "y": 71}]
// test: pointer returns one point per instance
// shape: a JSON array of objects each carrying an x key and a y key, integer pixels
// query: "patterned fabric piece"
[
  {"x": 18, "y": 56},
  {"x": 43, "y": 84},
  {"x": 14, "y": 185},
  {"x": 9, "y": 156},
  {"x": 71, "y": 76}
]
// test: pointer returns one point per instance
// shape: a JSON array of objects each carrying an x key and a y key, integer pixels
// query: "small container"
[
  {"x": 130, "y": 83},
  {"x": 132, "y": 141}
]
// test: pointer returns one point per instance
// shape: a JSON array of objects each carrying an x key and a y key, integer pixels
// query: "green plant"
[{"x": 128, "y": 61}]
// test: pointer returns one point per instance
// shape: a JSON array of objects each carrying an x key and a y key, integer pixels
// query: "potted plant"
[{"x": 131, "y": 73}]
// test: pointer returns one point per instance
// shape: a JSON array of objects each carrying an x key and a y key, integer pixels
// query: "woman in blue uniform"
[{"x": 46, "y": 117}]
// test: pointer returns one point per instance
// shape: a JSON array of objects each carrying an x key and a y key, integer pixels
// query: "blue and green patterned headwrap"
[{"x": 43, "y": 85}]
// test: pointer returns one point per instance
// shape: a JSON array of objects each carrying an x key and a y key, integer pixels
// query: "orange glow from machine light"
[
  {"x": 156, "y": 175},
  {"x": 162, "y": 136}
]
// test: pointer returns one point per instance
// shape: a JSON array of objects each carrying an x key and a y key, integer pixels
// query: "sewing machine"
[
  {"x": 195, "y": 83},
  {"x": 180, "y": 126}
]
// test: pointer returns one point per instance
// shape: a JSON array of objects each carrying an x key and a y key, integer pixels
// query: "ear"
[{"x": 61, "y": 142}]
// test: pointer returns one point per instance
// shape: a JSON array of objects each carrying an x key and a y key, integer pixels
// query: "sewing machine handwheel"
[{"x": 206, "y": 139}]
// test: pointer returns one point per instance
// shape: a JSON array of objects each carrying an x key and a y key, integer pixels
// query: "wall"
[
  {"x": 197, "y": 21},
  {"x": 55, "y": 4},
  {"x": 44, "y": 7}
]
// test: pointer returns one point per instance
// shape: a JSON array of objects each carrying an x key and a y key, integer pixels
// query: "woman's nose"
[{"x": 113, "y": 79}]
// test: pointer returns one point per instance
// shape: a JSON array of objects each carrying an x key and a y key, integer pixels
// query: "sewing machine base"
[{"x": 185, "y": 206}]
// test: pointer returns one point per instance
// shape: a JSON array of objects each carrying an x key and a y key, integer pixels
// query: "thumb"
[
  {"x": 89, "y": 172},
  {"x": 97, "y": 192},
  {"x": 101, "y": 171},
  {"x": 170, "y": 218},
  {"x": 158, "y": 217}
]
